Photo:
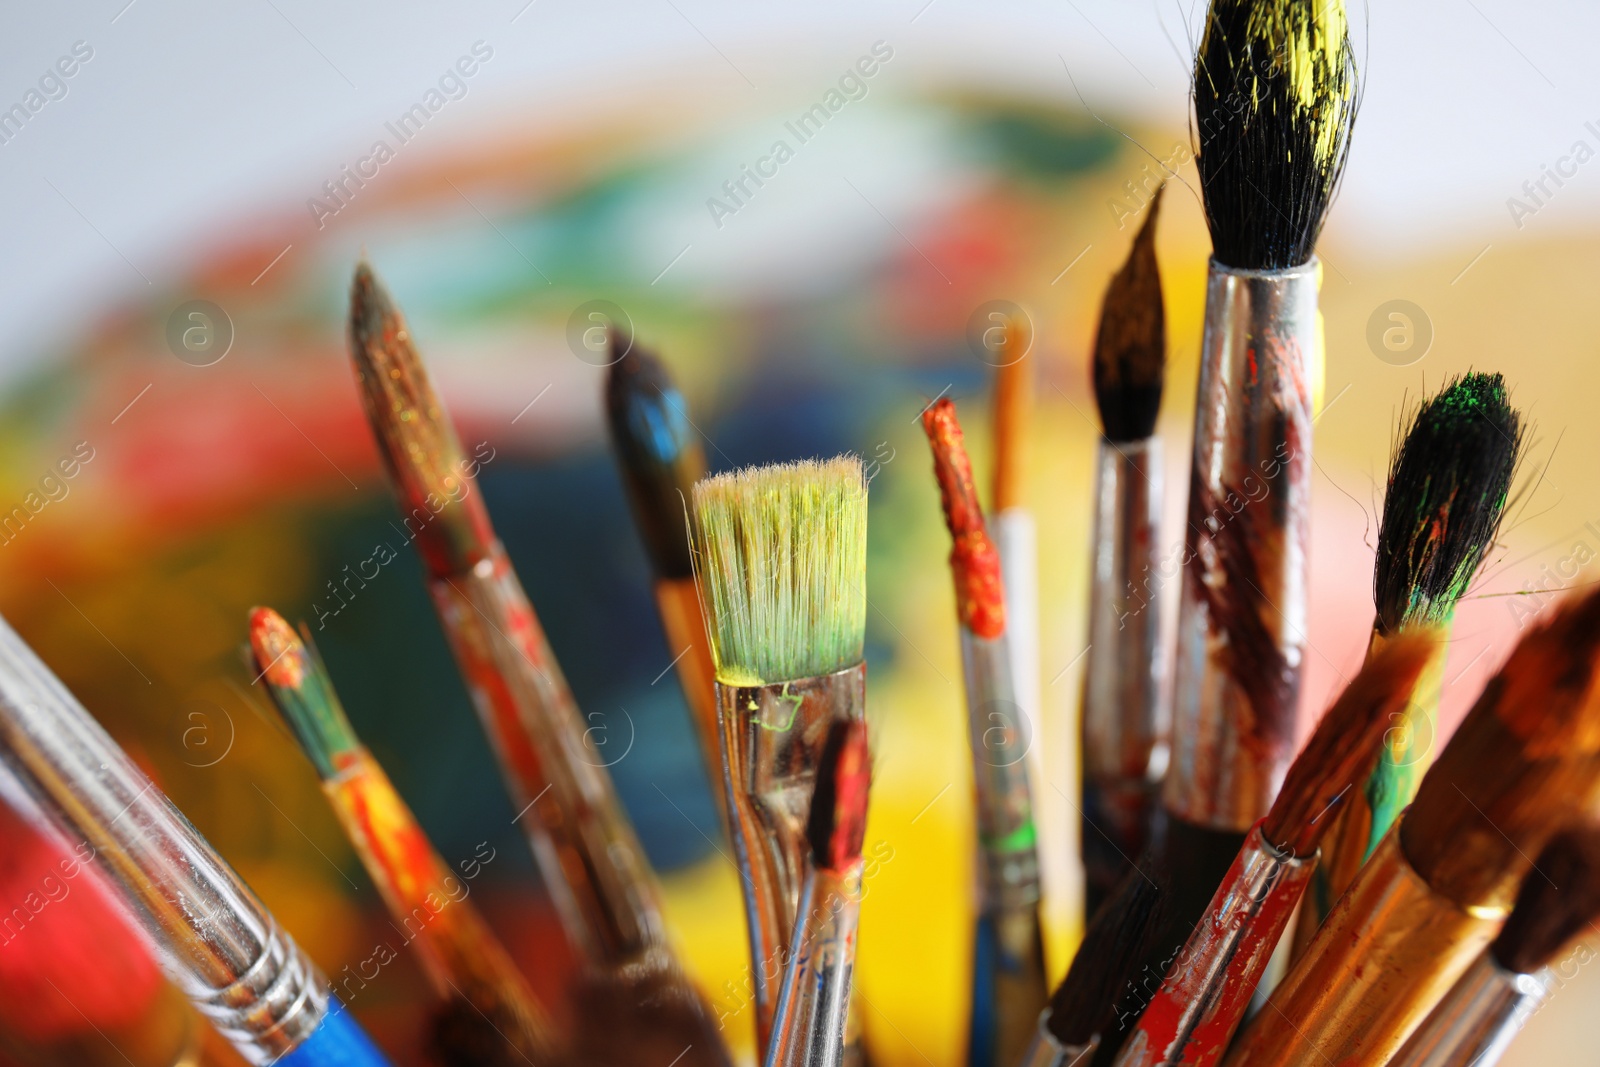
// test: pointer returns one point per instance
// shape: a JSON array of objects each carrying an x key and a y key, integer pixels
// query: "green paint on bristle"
[
  {"x": 781, "y": 560},
  {"x": 300, "y": 687},
  {"x": 1448, "y": 487}
]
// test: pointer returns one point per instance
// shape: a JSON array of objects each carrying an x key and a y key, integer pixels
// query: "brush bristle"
[
  {"x": 974, "y": 560},
  {"x": 1525, "y": 754},
  {"x": 1558, "y": 902},
  {"x": 432, "y": 476},
  {"x": 1130, "y": 346},
  {"x": 782, "y": 566},
  {"x": 1275, "y": 95},
  {"x": 1447, "y": 493},
  {"x": 837, "y": 823},
  {"x": 301, "y": 690},
  {"x": 1114, "y": 945},
  {"x": 659, "y": 453},
  {"x": 1342, "y": 750}
]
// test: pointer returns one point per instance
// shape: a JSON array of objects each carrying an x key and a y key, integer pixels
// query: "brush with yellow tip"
[{"x": 781, "y": 561}]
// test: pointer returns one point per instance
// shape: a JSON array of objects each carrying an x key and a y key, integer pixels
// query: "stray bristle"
[
  {"x": 1275, "y": 96},
  {"x": 659, "y": 453},
  {"x": 432, "y": 476},
  {"x": 974, "y": 561},
  {"x": 782, "y": 558},
  {"x": 1342, "y": 750},
  {"x": 838, "y": 819},
  {"x": 1130, "y": 346},
  {"x": 1558, "y": 902},
  {"x": 1447, "y": 493},
  {"x": 1524, "y": 755},
  {"x": 1091, "y": 996},
  {"x": 301, "y": 689}
]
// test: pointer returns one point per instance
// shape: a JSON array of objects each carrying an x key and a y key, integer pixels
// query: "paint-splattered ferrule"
[
  {"x": 1242, "y": 616},
  {"x": 772, "y": 740},
  {"x": 1477, "y": 1019},
  {"x": 998, "y": 731},
  {"x": 1205, "y": 991}
]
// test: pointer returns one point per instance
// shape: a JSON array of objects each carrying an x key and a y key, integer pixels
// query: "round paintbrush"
[
  {"x": 1559, "y": 902},
  {"x": 1448, "y": 484},
  {"x": 660, "y": 458},
  {"x": 1123, "y": 730},
  {"x": 1525, "y": 759}
]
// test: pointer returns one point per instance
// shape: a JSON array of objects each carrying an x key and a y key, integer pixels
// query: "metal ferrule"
[
  {"x": 998, "y": 732},
  {"x": 1476, "y": 1021},
  {"x": 214, "y": 940},
  {"x": 814, "y": 1002},
  {"x": 1387, "y": 953},
  {"x": 772, "y": 739},
  {"x": 1207, "y": 988},
  {"x": 1046, "y": 1051},
  {"x": 1124, "y": 744},
  {"x": 591, "y": 861},
  {"x": 1242, "y": 615}
]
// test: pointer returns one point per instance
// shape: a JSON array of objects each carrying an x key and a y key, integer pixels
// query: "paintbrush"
[
  {"x": 1205, "y": 992},
  {"x": 1011, "y": 522},
  {"x": 1448, "y": 485},
  {"x": 1485, "y": 1010},
  {"x": 1124, "y": 747},
  {"x": 460, "y": 954},
  {"x": 214, "y": 939},
  {"x": 781, "y": 561},
  {"x": 591, "y": 861},
  {"x": 1433, "y": 895},
  {"x": 659, "y": 456},
  {"x": 1008, "y": 982},
  {"x": 813, "y": 1006},
  {"x": 1098, "y": 996}
]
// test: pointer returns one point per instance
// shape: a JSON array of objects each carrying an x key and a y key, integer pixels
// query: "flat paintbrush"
[
  {"x": 1485, "y": 1010},
  {"x": 1206, "y": 990},
  {"x": 1448, "y": 485},
  {"x": 1124, "y": 743},
  {"x": 659, "y": 456},
  {"x": 1008, "y": 982},
  {"x": 1524, "y": 761},
  {"x": 814, "y": 1001},
  {"x": 781, "y": 559},
  {"x": 460, "y": 954}
]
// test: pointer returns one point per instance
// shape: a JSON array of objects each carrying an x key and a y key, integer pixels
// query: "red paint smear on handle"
[{"x": 980, "y": 594}]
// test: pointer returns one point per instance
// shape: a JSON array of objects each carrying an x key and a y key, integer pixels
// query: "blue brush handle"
[{"x": 338, "y": 1042}]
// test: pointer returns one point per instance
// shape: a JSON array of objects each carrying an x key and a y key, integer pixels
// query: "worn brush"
[
  {"x": 462, "y": 958},
  {"x": 1008, "y": 981},
  {"x": 1099, "y": 997},
  {"x": 1521, "y": 764},
  {"x": 1485, "y": 1010},
  {"x": 782, "y": 565},
  {"x": 1448, "y": 485},
  {"x": 809, "y": 1024},
  {"x": 591, "y": 861},
  {"x": 1124, "y": 747},
  {"x": 214, "y": 939},
  {"x": 1204, "y": 994},
  {"x": 660, "y": 458}
]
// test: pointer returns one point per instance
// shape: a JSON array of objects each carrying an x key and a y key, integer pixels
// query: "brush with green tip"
[
  {"x": 781, "y": 562},
  {"x": 1448, "y": 485}
]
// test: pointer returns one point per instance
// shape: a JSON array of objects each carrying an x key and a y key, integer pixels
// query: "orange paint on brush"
[
  {"x": 277, "y": 648},
  {"x": 974, "y": 563}
]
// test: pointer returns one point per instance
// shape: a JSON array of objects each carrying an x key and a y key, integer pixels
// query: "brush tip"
[
  {"x": 1130, "y": 345},
  {"x": 782, "y": 564},
  {"x": 837, "y": 823},
  {"x": 1448, "y": 486},
  {"x": 1115, "y": 942},
  {"x": 658, "y": 451},
  {"x": 974, "y": 560},
  {"x": 279, "y": 653},
  {"x": 1558, "y": 902},
  {"x": 1275, "y": 96}
]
